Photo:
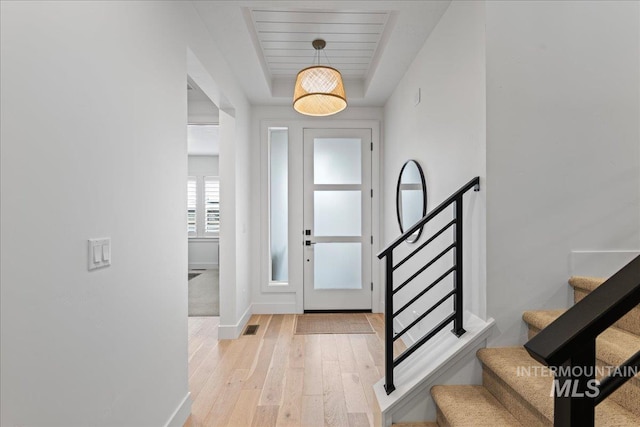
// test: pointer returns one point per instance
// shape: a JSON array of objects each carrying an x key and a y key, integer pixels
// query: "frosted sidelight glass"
[
  {"x": 278, "y": 204},
  {"x": 337, "y": 161},
  {"x": 337, "y": 266},
  {"x": 337, "y": 213}
]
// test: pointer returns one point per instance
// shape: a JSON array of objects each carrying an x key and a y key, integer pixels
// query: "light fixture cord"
[{"x": 325, "y": 55}]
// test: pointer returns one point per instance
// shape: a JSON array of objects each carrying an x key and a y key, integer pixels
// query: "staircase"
[{"x": 516, "y": 389}]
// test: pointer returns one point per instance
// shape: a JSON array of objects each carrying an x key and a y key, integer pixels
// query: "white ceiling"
[
  {"x": 353, "y": 38},
  {"x": 203, "y": 140},
  {"x": 371, "y": 42}
]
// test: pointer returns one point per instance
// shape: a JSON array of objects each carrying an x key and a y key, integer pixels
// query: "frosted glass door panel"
[
  {"x": 337, "y": 161},
  {"x": 337, "y": 213},
  {"x": 337, "y": 266}
]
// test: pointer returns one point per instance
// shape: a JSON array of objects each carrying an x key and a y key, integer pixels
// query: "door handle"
[{"x": 309, "y": 243}]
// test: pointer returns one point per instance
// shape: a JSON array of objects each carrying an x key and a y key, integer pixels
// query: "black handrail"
[
  {"x": 455, "y": 317},
  {"x": 568, "y": 344}
]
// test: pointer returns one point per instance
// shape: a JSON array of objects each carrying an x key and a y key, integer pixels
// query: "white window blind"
[
  {"x": 192, "y": 203},
  {"x": 211, "y": 206}
]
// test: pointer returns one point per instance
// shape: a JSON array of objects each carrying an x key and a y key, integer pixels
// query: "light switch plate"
[
  {"x": 99, "y": 253},
  {"x": 416, "y": 98}
]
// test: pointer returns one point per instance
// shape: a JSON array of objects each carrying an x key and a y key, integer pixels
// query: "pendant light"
[{"x": 319, "y": 90}]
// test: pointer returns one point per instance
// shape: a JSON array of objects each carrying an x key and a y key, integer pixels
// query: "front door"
[{"x": 337, "y": 219}]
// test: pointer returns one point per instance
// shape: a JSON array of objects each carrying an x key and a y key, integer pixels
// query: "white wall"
[
  {"x": 445, "y": 134},
  {"x": 203, "y": 252},
  {"x": 563, "y": 169},
  {"x": 208, "y": 70},
  {"x": 289, "y": 300},
  {"x": 93, "y": 144}
]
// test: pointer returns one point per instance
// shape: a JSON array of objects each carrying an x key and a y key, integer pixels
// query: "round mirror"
[{"x": 411, "y": 198}]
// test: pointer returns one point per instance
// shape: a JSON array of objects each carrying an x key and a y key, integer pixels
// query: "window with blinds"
[
  {"x": 211, "y": 206},
  {"x": 192, "y": 204},
  {"x": 203, "y": 206}
]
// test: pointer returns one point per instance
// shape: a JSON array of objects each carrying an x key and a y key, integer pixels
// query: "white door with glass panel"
[{"x": 337, "y": 219}]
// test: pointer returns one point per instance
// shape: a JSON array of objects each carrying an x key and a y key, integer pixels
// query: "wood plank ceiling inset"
[{"x": 285, "y": 37}]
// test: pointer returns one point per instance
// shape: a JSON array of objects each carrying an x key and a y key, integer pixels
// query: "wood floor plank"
[
  {"x": 290, "y": 413},
  {"x": 244, "y": 409},
  {"x": 200, "y": 376},
  {"x": 377, "y": 323},
  {"x": 345, "y": 354},
  {"x": 248, "y": 357},
  {"x": 228, "y": 395},
  {"x": 210, "y": 341},
  {"x": 312, "y": 366},
  {"x": 354, "y": 394},
  {"x": 359, "y": 420},
  {"x": 274, "y": 382},
  {"x": 367, "y": 370},
  {"x": 328, "y": 346},
  {"x": 214, "y": 385},
  {"x": 206, "y": 329},
  {"x": 278, "y": 378},
  {"x": 296, "y": 355},
  {"x": 312, "y": 411},
  {"x": 260, "y": 368},
  {"x": 266, "y": 416},
  {"x": 376, "y": 349},
  {"x": 194, "y": 325},
  {"x": 288, "y": 323},
  {"x": 335, "y": 409},
  {"x": 274, "y": 326}
]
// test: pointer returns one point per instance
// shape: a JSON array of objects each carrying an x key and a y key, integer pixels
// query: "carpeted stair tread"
[
  {"x": 614, "y": 346},
  {"x": 582, "y": 286},
  {"x": 586, "y": 283},
  {"x": 534, "y": 391},
  {"x": 471, "y": 406},
  {"x": 540, "y": 319}
]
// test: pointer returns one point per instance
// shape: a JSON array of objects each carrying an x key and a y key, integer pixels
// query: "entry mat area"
[{"x": 333, "y": 323}]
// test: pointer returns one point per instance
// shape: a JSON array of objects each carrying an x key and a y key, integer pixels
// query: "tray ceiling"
[
  {"x": 372, "y": 43},
  {"x": 284, "y": 39}
]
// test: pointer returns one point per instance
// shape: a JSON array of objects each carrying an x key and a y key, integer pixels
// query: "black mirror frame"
[{"x": 424, "y": 198}]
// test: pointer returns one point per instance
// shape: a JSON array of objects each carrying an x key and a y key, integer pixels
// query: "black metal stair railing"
[
  {"x": 568, "y": 345},
  {"x": 456, "y": 200}
]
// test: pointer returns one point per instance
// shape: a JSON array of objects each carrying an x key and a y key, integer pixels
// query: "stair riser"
[
  {"x": 630, "y": 322},
  {"x": 521, "y": 409},
  {"x": 441, "y": 419},
  {"x": 626, "y": 396}
]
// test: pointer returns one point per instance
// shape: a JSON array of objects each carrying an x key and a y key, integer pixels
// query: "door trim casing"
[{"x": 293, "y": 291}]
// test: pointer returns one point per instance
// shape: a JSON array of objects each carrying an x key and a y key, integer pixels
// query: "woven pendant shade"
[{"x": 319, "y": 91}]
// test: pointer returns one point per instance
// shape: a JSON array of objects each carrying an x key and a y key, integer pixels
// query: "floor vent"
[{"x": 251, "y": 330}]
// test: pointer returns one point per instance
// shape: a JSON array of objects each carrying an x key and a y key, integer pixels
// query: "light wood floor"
[{"x": 276, "y": 378}]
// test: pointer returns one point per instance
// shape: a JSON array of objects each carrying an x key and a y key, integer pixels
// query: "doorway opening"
[{"x": 203, "y": 203}]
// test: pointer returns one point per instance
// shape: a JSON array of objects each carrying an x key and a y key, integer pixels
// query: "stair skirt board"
[{"x": 454, "y": 362}]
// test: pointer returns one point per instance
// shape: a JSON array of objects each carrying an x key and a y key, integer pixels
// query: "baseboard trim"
[
  {"x": 231, "y": 332},
  {"x": 274, "y": 308},
  {"x": 201, "y": 266},
  {"x": 182, "y": 412}
]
